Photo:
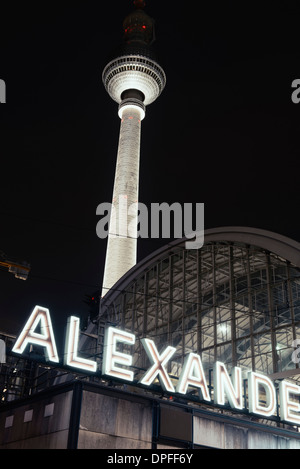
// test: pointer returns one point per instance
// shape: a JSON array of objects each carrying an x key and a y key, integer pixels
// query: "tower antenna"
[{"x": 139, "y": 3}]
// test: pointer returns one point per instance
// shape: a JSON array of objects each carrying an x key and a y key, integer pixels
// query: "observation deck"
[
  {"x": 136, "y": 72},
  {"x": 133, "y": 66}
]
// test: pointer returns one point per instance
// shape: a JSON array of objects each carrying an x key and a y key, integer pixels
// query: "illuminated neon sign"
[{"x": 116, "y": 364}]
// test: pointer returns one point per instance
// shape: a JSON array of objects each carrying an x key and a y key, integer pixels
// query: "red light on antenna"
[{"x": 139, "y": 3}]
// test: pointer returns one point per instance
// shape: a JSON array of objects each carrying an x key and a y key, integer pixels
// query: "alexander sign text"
[{"x": 116, "y": 364}]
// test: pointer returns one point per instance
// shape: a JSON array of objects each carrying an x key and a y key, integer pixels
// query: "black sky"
[{"x": 224, "y": 132}]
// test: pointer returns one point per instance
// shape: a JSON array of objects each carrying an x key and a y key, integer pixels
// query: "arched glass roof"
[{"x": 236, "y": 300}]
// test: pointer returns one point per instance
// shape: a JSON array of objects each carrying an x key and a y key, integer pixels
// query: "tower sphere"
[{"x": 134, "y": 66}]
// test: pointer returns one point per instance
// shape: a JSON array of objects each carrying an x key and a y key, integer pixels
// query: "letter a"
[
  {"x": 192, "y": 374},
  {"x": 39, "y": 317}
]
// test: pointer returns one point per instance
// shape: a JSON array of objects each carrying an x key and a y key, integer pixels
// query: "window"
[
  {"x": 49, "y": 410},
  {"x": 28, "y": 415},
  {"x": 9, "y": 421}
]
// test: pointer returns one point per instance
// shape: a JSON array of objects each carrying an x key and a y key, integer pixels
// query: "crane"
[{"x": 20, "y": 269}]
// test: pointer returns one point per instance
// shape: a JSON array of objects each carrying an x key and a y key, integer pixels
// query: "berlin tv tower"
[{"x": 133, "y": 79}]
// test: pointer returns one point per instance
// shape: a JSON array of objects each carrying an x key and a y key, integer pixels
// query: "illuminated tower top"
[
  {"x": 138, "y": 26},
  {"x": 133, "y": 65}
]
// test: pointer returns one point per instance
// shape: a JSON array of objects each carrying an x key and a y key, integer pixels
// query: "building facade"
[
  {"x": 236, "y": 301},
  {"x": 81, "y": 415}
]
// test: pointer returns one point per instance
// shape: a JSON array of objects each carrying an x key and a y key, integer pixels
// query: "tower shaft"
[
  {"x": 122, "y": 241},
  {"x": 133, "y": 79}
]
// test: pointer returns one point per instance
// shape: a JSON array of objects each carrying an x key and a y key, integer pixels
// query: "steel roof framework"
[{"x": 230, "y": 301}]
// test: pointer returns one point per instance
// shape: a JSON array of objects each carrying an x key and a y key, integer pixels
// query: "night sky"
[{"x": 224, "y": 132}]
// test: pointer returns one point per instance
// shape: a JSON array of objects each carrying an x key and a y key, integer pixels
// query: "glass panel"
[
  {"x": 284, "y": 349},
  {"x": 244, "y": 353},
  {"x": 263, "y": 353}
]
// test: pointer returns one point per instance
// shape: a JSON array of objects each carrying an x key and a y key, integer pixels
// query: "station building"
[{"x": 235, "y": 301}]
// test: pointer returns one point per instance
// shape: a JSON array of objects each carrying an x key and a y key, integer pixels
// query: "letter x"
[{"x": 158, "y": 367}]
